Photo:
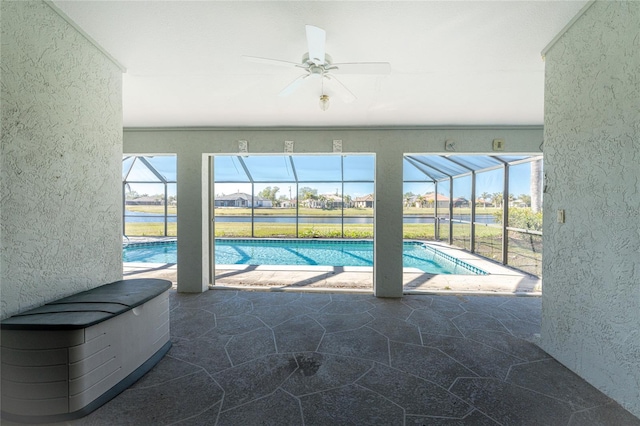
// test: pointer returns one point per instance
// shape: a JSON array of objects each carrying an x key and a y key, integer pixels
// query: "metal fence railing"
[{"x": 523, "y": 246}]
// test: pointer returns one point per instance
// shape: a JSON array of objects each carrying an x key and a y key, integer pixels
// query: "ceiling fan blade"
[
  {"x": 270, "y": 61},
  {"x": 316, "y": 38},
  {"x": 293, "y": 86},
  {"x": 341, "y": 90},
  {"x": 379, "y": 68}
]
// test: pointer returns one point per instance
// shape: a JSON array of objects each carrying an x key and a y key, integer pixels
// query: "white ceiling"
[{"x": 453, "y": 62}]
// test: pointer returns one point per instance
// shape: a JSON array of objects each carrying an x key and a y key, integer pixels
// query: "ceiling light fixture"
[{"x": 324, "y": 102}]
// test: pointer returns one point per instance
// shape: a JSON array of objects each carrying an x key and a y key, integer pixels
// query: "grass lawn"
[
  {"x": 150, "y": 229},
  {"x": 152, "y": 209},
  {"x": 305, "y": 230}
]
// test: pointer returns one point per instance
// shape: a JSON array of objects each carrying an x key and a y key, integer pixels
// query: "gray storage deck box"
[{"x": 65, "y": 359}]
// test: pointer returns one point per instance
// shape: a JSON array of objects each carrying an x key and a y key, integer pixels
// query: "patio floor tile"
[{"x": 250, "y": 357}]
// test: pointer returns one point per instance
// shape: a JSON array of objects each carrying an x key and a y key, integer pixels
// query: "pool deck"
[{"x": 500, "y": 280}]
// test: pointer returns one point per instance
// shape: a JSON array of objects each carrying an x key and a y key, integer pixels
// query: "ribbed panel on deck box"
[{"x": 65, "y": 371}]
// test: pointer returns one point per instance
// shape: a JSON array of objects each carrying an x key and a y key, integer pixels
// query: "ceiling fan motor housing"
[{"x": 307, "y": 61}]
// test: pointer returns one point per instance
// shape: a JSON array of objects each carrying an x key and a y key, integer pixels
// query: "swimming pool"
[{"x": 416, "y": 254}]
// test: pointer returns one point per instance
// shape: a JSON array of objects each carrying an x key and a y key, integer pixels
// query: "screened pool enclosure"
[
  {"x": 301, "y": 196},
  {"x": 149, "y": 198},
  {"x": 488, "y": 205}
]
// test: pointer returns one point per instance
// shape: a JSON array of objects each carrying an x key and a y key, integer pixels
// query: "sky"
[{"x": 278, "y": 171}]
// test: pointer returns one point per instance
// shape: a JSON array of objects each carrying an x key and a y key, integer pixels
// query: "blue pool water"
[{"x": 304, "y": 252}]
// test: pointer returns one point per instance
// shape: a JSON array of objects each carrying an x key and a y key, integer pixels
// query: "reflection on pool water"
[{"x": 416, "y": 254}]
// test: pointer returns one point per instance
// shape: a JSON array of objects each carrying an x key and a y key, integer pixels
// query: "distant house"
[
  {"x": 365, "y": 201},
  {"x": 287, "y": 204},
  {"x": 144, "y": 201},
  {"x": 460, "y": 202},
  {"x": 518, "y": 203},
  {"x": 483, "y": 201},
  {"x": 411, "y": 201},
  {"x": 240, "y": 199},
  {"x": 333, "y": 201},
  {"x": 324, "y": 201},
  {"x": 428, "y": 200}
]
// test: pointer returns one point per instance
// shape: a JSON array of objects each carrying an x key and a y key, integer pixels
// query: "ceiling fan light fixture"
[{"x": 324, "y": 102}]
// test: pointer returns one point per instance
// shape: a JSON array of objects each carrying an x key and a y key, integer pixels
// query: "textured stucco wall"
[
  {"x": 60, "y": 160},
  {"x": 591, "y": 265}
]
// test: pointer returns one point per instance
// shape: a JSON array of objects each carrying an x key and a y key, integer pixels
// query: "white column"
[
  {"x": 191, "y": 262},
  {"x": 387, "y": 272}
]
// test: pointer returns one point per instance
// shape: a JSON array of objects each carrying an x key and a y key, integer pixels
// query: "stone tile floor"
[{"x": 284, "y": 358}]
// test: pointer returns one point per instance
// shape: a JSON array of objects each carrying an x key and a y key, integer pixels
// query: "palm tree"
[
  {"x": 484, "y": 196},
  {"x": 526, "y": 199},
  {"x": 536, "y": 186},
  {"x": 497, "y": 199},
  {"x": 407, "y": 198},
  {"x": 323, "y": 201}
]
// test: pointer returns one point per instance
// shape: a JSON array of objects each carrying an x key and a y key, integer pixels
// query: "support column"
[
  {"x": 209, "y": 221},
  {"x": 166, "y": 207},
  {"x": 505, "y": 216},
  {"x": 436, "y": 221},
  {"x": 450, "y": 211},
  {"x": 472, "y": 242},
  {"x": 387, "y": 272},
  {"x": 192, "y": 275}
]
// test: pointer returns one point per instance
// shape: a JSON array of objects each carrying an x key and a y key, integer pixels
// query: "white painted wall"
[
  {"x": 61, "y": 160},
  {"x": 193, "y": 146},
  {"x": 591, "y": 264}
]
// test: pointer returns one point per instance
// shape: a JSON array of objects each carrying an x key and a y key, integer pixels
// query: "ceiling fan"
[{"x": 318, "y": 65}]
